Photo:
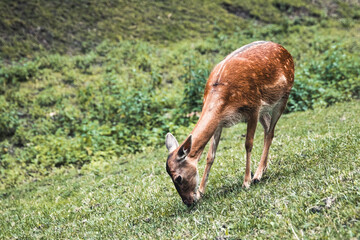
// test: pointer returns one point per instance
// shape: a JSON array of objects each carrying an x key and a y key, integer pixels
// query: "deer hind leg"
[
  {"x": 268, "y": 121},
  {"x": 210, "y": 159},
  {"x": 251, "y": 127}
]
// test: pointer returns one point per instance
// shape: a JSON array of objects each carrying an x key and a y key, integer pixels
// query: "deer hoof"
[
  {"x": 255, "y": 180},
  {"x": 198, "y": 195},
  {"x": 246, "y": 185}
]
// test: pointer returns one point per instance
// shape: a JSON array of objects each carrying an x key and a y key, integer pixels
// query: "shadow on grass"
[
  {"x": 286, "y": 168},
  {"x": 311, "y": 162},
  {"x": 236, "y": 187},
  {"x": 230, "y": 188}
]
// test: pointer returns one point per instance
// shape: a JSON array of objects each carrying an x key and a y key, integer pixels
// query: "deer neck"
[{"x": 201, "y": 135}]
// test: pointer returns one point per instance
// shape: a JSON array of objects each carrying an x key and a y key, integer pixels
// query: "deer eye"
[{"x": 178, "y": 180}]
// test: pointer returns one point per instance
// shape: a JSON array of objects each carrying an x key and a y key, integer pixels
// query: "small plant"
[
  {"x": 18, "y": 73},
  {"x": 195, "y": 80},
  {"x": 9, "y": 119}
]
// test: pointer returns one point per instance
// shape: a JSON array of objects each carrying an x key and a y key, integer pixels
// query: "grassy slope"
[
  {"x": 314, "y": 159},
  {"x": 27, "y": 27},
  {"x": 39, "y": 143},
  {"x": 68, "y": 27},
  {"x": 315, "y": 155}
]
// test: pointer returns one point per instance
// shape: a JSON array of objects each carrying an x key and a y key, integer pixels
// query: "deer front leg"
[
  {"x": 251, "y": 127},
  {"x": 209, "y": 161}
]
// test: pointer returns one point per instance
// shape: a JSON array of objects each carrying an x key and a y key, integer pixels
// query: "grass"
[
  {"x": 30, "y": 27},
  {"x": 310, "y": 191},
  {"x": 58, "y": 110},
  {"x": 84, "y": 86}
]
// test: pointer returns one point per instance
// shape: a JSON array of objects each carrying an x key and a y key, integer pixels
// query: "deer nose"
[{"x": 188, "y": 202}]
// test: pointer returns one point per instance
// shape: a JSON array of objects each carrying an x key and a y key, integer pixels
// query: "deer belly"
[{"x": 233, "y": 119}]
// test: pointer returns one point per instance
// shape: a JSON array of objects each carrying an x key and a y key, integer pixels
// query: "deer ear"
[
  {"x": 185, "y": 148},
  {"x": 171, "y": 142}
]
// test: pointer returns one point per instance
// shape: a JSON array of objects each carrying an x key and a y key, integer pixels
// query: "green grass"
[
  {"x": 310, "y": 190},
  {"x": 58, "y": 111},
  {"x": 66, "y": 27},
  {"x": 89, "y": 90}
]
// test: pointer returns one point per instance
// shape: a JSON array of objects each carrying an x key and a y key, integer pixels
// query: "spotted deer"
[{"x": 251, "y": 84}]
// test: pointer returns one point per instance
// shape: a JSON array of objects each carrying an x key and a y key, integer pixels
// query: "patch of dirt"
[
  {"x": 330, "y": 6},
  {"x": 238, "y": 11},
  {"x": 293, "y": 11}
]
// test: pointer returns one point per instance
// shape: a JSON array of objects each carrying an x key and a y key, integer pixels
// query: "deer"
[{"x": 251, "y": 84}]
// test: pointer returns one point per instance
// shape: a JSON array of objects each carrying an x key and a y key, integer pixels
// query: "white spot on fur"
[
  {"x": 281, "y": 80},
  {"x": 263, "y": 103}
]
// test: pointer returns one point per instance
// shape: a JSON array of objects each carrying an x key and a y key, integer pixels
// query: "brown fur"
[{"x": 251, "y": 83}]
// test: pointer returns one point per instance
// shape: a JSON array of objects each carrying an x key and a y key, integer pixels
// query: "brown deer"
[{"x": 252, "y": 83}]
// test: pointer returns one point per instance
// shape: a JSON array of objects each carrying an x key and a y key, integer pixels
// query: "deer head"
[{"x": 181, "y": 169}]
